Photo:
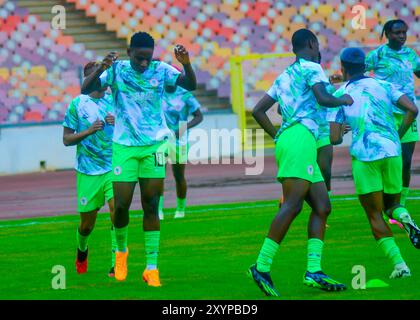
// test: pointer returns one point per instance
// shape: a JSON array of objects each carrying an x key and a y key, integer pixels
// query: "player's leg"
[
  {"x": 85, "y": 228},
  {"x": 392, "y": 206},
  {"x": 294, "y": 192},
  {"x": 319, "y": 202},
  {"x": 324, "y": 160},
  {"x": 152, "y": 172},
  {"x": 123, "y": 195},
  {"x": 161, "y": 203},
  {"x": 125, "y": 164},
  {"x": 372, "y": 203},
  {"x": 151, "y": 189},
  {"x": 111, "y": 206},
  {"x": 178, "y": 170},
  {"x": 90, "y": 199},
  {"x": 407, "y": 150},
  {"x": 370, "y": 179}
]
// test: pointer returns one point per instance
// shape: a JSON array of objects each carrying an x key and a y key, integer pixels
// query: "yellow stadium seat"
[
  {"x": 39, "y": 70},
  {"x": 4, "y": 73}
]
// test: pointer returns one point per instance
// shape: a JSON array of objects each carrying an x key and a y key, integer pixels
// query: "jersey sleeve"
[
  {"x": 336, "y": 114},
  {"x": 71, "y": 119},
  {"x": 171, "y": 74},
  {"x": 371, "y": 60},
  {"x": 415, "y": 61},
  {"x": 394, "y": 93},
  {"x": 272, "y": 92},
  {"x": 107, "y": 77},
  {"x": 313, "y": 73},
  {"x": 192, "y": 104}
]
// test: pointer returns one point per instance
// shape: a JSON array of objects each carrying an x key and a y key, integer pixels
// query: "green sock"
[
  {"x": 399, "y": 212},
  {"x": 113, "y": 245},
  {"x": 121, "y": 235},
  {"x": 404, "y": 194},
  {"x": 267, "y": 253},
  {"x": 180, "y": 204},
  {"x": 82, "y": 241},
  {"x": 314, "y": 254},
  {"x": 161, "y": 200},
  {"x": 151, "y": 240},
  {"x": 329, "y": 194},
  {"x": 391, "y": 250}
]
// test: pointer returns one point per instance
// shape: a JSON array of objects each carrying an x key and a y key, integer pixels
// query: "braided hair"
[{"x": 389, "y": 24}]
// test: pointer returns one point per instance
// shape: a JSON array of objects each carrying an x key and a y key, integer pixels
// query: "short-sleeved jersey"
[
  {"x": 293, "y": 91},
  {"x": 178, "y": 106},
  {"x": 396, "y": 67},
  {"x": 94, "y": 153},
  {"x": 374, "y": 135},
  {"x": 140, "y": 120}
]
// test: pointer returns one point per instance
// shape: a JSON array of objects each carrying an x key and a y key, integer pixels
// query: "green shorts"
[
  {"x": 325, "y": 141},
  {"x": 178, "y": 154},
  {"x": 92, "y": 191},
  {"x": 412, "y": 134},
  {"x": 296, "y": 155},
  {"x": 380, "y": 175},
  {"x": 130, "y": 163}
]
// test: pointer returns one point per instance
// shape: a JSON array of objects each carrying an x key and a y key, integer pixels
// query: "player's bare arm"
[
  {"x": 260, "y": 115},
  {"x": 187, "y": 81},
  {"x": 91, "y": 82},
  {"x": 196, "y": 120},
  {"x": 411, "y": 111},
  {"x": 70, "y": 138},
  {"x": 327, "y": 100}
]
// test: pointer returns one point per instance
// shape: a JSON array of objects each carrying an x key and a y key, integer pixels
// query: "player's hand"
[
  {"x": 96, "y": 126},
  {"x": 110, "y": 119},
  {"x": 347, "y": 100},
  {"x": 109, "y": 60},
  {"x": 336, "y": 78},
  {"x": 181, "y": 54}
]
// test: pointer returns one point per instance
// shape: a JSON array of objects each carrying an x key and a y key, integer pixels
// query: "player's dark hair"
[
  {"x": 353, "y": 68},
  {"x": 389, "y": 24},
  {"x": 301, "y": 38},
  {"x": 88, "y": 68},
  {"x": 142, "y": 40}
]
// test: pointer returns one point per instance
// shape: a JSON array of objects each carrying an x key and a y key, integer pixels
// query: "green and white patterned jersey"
[
  {"x": 94, "y": 153},
  {"x": 374, "y": 135},
  {"x": 293, "y": 91},
  {"x": 140, "y": 120},
  {"x": 178, "y": 106},
  {"x": 396, "y": 67}
]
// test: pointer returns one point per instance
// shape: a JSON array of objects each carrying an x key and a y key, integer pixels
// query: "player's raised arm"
[
  {"x": 411, "y": 111},
  {"x": 260, "y": 115},
  {"x": 92, "y": 83},
  {"x": 187, "y": 81}
]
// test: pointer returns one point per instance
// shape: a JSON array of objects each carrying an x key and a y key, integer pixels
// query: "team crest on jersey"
[
  {"x": 310, "y": 169},
  {"x": 83, "y": 201},
  {"x": 154, "y": 82},
  {"x": 117, "y": 170}
]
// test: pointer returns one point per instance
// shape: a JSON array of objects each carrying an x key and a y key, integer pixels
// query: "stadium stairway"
[{"x": 94, "y": 36}]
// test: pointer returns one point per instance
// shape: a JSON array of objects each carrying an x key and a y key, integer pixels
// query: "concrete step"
[
  {"x": 91, "y": 37},
  {"x": 32, "y": 3}
]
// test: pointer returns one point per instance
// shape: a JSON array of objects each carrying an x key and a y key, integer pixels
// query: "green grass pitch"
[{"x": 203, "y": 256}]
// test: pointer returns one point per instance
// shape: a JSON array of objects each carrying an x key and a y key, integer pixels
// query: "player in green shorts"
[
  {"x": 396, "y": 63},
  {"x": 89, "y": 124},
  {"x": 298, "y": 90},
  {"x": 139, "y": 148},
  {"x": 178, "y": 105},
  {"x": 376, "y": 151}
]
